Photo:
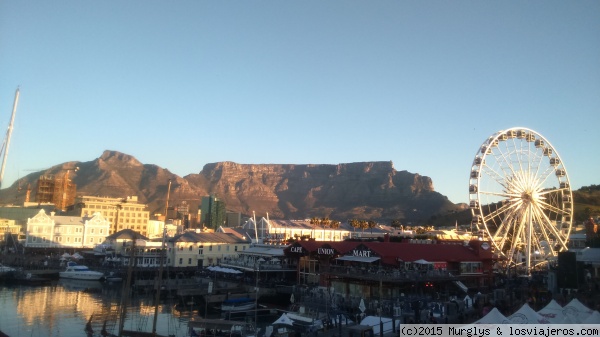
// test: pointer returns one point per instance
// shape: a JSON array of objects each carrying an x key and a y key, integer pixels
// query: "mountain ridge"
[{"x": 362, "y": 190}]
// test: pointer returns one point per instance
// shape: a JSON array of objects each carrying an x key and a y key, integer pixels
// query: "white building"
[
  {"x": 51, "y": 231},
  {"x": 156, "y": 229},
  {"x": 192, "y": 249}
]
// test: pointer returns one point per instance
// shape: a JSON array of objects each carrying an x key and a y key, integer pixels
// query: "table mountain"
[{"x": 363, "y": 190}]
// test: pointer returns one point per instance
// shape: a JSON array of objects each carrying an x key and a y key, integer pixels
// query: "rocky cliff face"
[{"x": 365, "y": 190}]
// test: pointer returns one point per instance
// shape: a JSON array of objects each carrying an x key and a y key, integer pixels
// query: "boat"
[
  {"x": 6, "y": 272},
  {"x": 80, "y": 272},
  {"x": 30, "y": 279},
  {"x": 113, "y": 277},
  {"x": 238, "y": 304}
]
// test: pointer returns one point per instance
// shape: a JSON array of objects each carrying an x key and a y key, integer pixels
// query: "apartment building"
[{"x": 122, "y": 213}]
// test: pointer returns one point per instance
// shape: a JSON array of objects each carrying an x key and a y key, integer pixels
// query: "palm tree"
[
  {"x": 371, "y": 224},
  {"x": 354, "y": 223},
  {"x": 315, "y": 222},
  {"x": 325, "y": 223},
  {"x": 363, "y": 225},
  {"x": 396, "y": 223},
  {"x": 334, "y": 225}
]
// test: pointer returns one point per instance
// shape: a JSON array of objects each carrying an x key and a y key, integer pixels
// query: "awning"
[{"x": 358, "y": 258}]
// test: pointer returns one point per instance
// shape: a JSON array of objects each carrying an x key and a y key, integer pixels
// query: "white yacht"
[{"x": 80, "y": 272}]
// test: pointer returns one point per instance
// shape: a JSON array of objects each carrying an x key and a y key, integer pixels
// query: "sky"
[{"x": 181, "y": 84}]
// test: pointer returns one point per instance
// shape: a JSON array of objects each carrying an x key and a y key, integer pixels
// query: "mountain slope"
[{"x": 365, "y": 190}]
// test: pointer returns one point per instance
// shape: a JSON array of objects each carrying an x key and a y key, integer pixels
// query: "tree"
[
  {"x": 325, "y": 223},
  {"x": 371, "y": 224},
  {"x": 363, "y": 225},
  {"x": 354, "y": 223},
  {"x": 396, "y": 223},
  {"x": 335, "y": 224},
  {"x": 315, "y": 222}
]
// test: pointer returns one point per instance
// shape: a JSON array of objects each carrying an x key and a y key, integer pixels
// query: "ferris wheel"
[{"x": 520, "y": 197}]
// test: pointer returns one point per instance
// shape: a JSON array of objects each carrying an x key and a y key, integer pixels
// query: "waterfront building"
[
  {"x": 197, "y": 249},
  {"x": 122, "y": 213},
  {"x": 52, "y": 231},
  {"x": 389, "y": 269}
]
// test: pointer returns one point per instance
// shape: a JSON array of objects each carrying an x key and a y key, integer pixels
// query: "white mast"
[
  {"x": 255, "y": 230},
  {"x": 8, "y": 134}
]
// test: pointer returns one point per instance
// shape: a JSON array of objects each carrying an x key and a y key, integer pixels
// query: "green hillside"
[{"x": 587, "y": 202}]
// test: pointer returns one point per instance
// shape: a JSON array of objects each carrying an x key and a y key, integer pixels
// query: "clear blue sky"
[{"x": 181, "y": 84}]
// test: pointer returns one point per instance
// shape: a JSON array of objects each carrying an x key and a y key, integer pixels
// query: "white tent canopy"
[
  {"x": 553, "y": 312},
  {"x": 594, "y": 318},
  {"x": 526, "y": 315},
  {"x": 284, "y": 320},
  {"x": 576, "y": 311},
  {"x": 493, "y": 317}
]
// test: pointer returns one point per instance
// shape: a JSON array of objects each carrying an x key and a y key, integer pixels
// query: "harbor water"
[{"x": 66, "y": 308}]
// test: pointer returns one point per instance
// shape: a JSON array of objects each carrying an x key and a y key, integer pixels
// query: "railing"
[
  {"x": 384, "y": 274},
  {"x": 254, "y": 266}
]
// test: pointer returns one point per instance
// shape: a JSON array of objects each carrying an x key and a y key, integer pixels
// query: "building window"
[
  {"x": 189, "y": 261},
  {"x": 235, "y": 248},
  {"x": 191, "y": 248},
  {"x": 180, "y": 261},
  {"x": 210, "y": 248},
  {"x": 470, "y": 268}
]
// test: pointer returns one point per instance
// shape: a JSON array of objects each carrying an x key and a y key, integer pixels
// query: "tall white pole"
[
  {"x": 255, "y": 230},
  {"x": 8, "y": 134}
]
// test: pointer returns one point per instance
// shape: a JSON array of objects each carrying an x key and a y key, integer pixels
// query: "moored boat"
[
  {"x": 30, "y": 279},
  {"x": 80, "y": 272},
  {"x": 238, "y": 304},
  {"x": 6, "y": 272}
]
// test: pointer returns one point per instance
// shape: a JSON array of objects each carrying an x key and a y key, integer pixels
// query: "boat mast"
[
  {"x": 161, "y": 264},
  {"x": 125, "y": 292},
  {"x": 8, "y": 134}
]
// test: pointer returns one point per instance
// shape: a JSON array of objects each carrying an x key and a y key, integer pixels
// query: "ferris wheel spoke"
[
  {"x": 499, "y": 211},
  {"x": 538, "y": 216},
  {"x": 513, "y": 227},
  {"x": 543, "y": 177},
  {"x": 515, "y": 239},
  {"x": 555, "y": 231},
  {"x": 497, "y": 194},
  {"x": 495, "y": 176},
  {"x": 502, "y": 157},
  {"x": 552, "y": 208},
  {"x": 506, "y": 226}
]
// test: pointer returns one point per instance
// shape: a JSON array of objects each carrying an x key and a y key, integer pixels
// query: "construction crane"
[{"x": 6, "y": 143}]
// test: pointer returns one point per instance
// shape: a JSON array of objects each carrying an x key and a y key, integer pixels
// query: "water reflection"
[{"x": 64, "y": 307}]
